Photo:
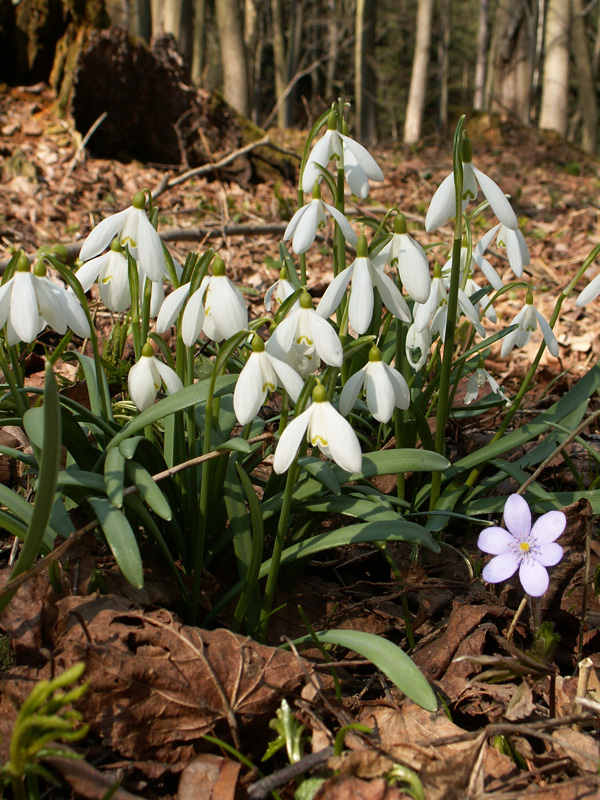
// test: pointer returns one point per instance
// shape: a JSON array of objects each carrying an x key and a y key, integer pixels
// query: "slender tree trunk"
[
  {"x": 333, "y": 38},
  {"x": 233, "y": 54},
  {"x": 482, "y": 46},
  {"x": 555, "y": 83},
  {"x": 443, "y": 62},
  {"x": 278, "y": 42},
  {"x": 199, "y": 42},
  {"x": 364, "y": 74},
  {"x": 585, "y": 79},
  {"x": 140, "y": 19},
  {"x": 418, "y": 79}
]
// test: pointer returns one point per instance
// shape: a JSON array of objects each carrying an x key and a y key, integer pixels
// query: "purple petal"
[
  {"x": 549, "y": 555},
  {"x": 533, "y": 577},
  {"x": 517, "y": 516},
  {"x": 548, "y": 527},
  {"x": 495, "y": 541},
  {"x": 500, "y": 568}
]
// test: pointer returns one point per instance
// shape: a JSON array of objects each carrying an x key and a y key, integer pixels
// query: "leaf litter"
[{"x": 158, "y": 686}]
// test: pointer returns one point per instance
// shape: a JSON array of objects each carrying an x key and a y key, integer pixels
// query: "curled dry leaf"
[{"x": 157, "y": 685}]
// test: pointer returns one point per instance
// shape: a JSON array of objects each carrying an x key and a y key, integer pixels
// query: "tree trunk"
[
  {"x": 555, "y": 83},
  {"x": 443, "y": 62},
  {"x": 199, "y": 43},
  {"x": 482, "y": 46},
  {"x": 333, "y": 41},
  {"x": 140, "y": 19},
  {"x": 585, "y": 79},
  {"x": 279, "y": 59},
  {"x": 418, "y": 79},
  {"x": 364, "y": 74},
  {"x": 233, "y": 55}
]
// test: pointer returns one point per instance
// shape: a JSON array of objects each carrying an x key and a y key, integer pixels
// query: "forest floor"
[{"x": 495, "y": 740}]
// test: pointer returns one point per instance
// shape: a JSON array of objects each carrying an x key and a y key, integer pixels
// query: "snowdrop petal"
[
  {"x": 171, "y": 307},
  {"x": 51, "y": 305},
  {"x": 497, "y": 200},
  {"x": 88, "y": 273},
  {"x": 356, "y": 178},
  {"x": 326, "y": 341},
  {"x": 591, "y": 292},
  {"x": 363, "y": 158},
  {"x": 293, "y": 223},
  {"x": 250, "y": 391},
  {"x": 288, "y": 377},
  {"x": 350, "y": 391},
  {"x": 548, "y": 335},
  {"x": 306, "y": 228},
  {"x": 390, "y": 294},
  {"x": 360, "y": 308},
  {"x": 102, "y": 235},
  {"x": 490, "y": 273},
  {"x": 549, "y": 527},
  {"x": 75, "y": 315},
  {"x": 319, "y": 158},
  {"x": 345, "y": 226},
  {"x": 343, "y": 444},
  {"x": 150, "y": 254},
  {"x": 113, "y": 283},
  {"x": 516, "y": 251},
  {"x": 517, "y": 516},
  {"x": 495, "y": 541},
  {"x": 169, "y": 377},
  {"x": 5, "y": 292},
  {"x": 442, "y": 206},
  {"x": 413, "y": 268},
  {"x": 193, "y": 318},
  {"x": 289, "y": 442},
  {"x": 533, "y": 577},
  {"x": 334, "y": 293},
  {"x": 500, "y": 568},
  {"x": 141, "y": 384},
  {"x": 485, "y": 241},
  {"x": 471, "y": 312},
  {"x": 381, "y": 399},
  {"x": 400, "y": 387},
  {"x": 24, "y": 313}
]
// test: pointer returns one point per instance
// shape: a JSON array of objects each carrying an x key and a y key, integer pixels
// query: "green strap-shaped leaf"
[
  {"x": 114, "y": 476},
  {"x": 148, "y": 489},
  {"x": 387, "y": 657},
  {"x": 120, "y": 538}
]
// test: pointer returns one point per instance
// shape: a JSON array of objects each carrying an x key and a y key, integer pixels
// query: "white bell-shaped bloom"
[
  {"x": 483, "y": 305},
  {"x": 517, "y": 252},
  {"x": 418, "y": 345},
  {"x": 477, "y": 380},
  {"x": 443, "y": 203},
  {"x": 434, "y": 313},
  {"x": 385, "y": 388},
  {"x": 303, "y": 226},
  {"x": 359, "y": 165},
  {"x": 527, "y": 320},
  {"x": 147, "y": 376},
  {"x": 405, "y": 253},
  {"x": 326, "y": 429},
  {"x": 261, "y": 374},
  {"x": 134, "y": 231},
  {"x": 365, "y": 276},
  {"x": 280, "y": 290},
  {"x": 29, "y": 301},
  {"x": 591, "y": 292},
  {"x": 304, "y": 337}
]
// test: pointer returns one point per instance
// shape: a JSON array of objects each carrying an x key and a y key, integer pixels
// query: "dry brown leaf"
[
  {"x": 209, "y": 777},
  {"x": 347, "y": 787}
]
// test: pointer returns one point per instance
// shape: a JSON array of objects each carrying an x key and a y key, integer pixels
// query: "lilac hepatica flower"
[
  {"x": 303, "y": 226},
  {"x": 135, "y": 231},
  {"x": 523, "y": 547},
  {"x": 384, "y": 387},
  {"x": 364, "y": 276},
  {"x": 359, "y": 165},
  {"x": 443, "y": 203},
  {"x": 403, "y": 252},
  {"x": 326, "y": 429},
  {"x": 527, "y": 319}
]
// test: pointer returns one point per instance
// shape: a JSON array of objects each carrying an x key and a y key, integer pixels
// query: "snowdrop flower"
[
  {"x": 418, "y": 345},
  {"x": 217, "y": 308},
  {"x": 591, "y": 292},
  {"x": 281, "y": 289},
  {"x": 471, "y": 287},
  {"x": 326, "y": 429},
  {"x": 364, "y": 276},
  {"x": 477, "y": 381},
  {"x": 443, "y": 203},
  {"x": 303, "y": 226},
  {"x": 146, "y": 377},
  {"x": 135, "y": 231},
  {"x": 29, "y": 301},
  {"x": 403, "y": 252},
  {"x": 359, "y": 165},
  {"x": 517, "y": 252},
  {"x": 523, "y": 547},
  {"x": 527, "y": 320},
  {"x": 261, "y": 374},
  {"x": 384, "y": 387},
  {"x": 112, "y": 273},
  {"x": 434, "y": 312},
  {"x": 304, "y": 337}
]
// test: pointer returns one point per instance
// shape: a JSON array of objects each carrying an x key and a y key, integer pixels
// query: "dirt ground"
[{"x": 517, "y": 738}]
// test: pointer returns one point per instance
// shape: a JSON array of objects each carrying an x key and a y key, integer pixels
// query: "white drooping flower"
[
  {"x": 434, "y": 313},
  {"x": 326, "y": 429},
  {"x": 280, "y": 290},
  {"x": 133, "y": 230},
  {"x": 517, "y": 252},
  {"x": 29, "y": 301},
  {"x": 591, "y": 292},
  {"x": 477, "y": 380},
  {"x": 527, "y": 321},
  {"x": 483, "y": 305},
  {"x": 418, "y": 345},
  {"x": 303, "y": 226},
  {"x": 443, "y": 203},
  {"x": 304, "y": 338},
  {"x": 261, "y": 374},
  {"x": 365, "y": 276},
  {"x": 147, "y": 376},
  {"x": 385, "y": 388},
  {"x": 111, "y": 271},
  {"x": 358, "y": 164},
  {"x": 216, "y": 308},
  {"x": 405, "y": 253}
]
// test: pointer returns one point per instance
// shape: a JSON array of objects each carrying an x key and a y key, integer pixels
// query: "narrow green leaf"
[
  {"x": 91, "y": 380},
  {"x": 114, "y": 476},
  {"x": 148, "y": 489},
  {"x": 121, "y": 539},
  {"x": 387, "y": 657}
]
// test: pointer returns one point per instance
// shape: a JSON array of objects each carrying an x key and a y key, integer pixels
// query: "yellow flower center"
[{"x": 524, "y": 546}]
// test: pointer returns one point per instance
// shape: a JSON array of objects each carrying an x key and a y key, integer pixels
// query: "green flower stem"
[
  {"x": 282, "y": 529},
  {"x": 474, "y": 474},
  {"x": 60, "y": 347},
  {"x": 448, "y": 353},
  {"x": 13, "y": 377},
  {"x": 401, "y": 364},
  {"x": 146, "y": 309}
]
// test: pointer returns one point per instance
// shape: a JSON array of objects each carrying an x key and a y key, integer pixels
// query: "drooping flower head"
[
  {"x": 385, "y": 388},
  {"x": 147, "y": 376},
  {"x": 326, "y": 429},
  {"x": 527, "y": 320},
  {"x": 280, "y": 290},
  {"x": 405, "y": 253},
  {"x": 517, "y": 252},
  {"x": 523, "y": 547},
  {"x": 478, "y": 379},
  {"x": 303, "y": 226}
]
